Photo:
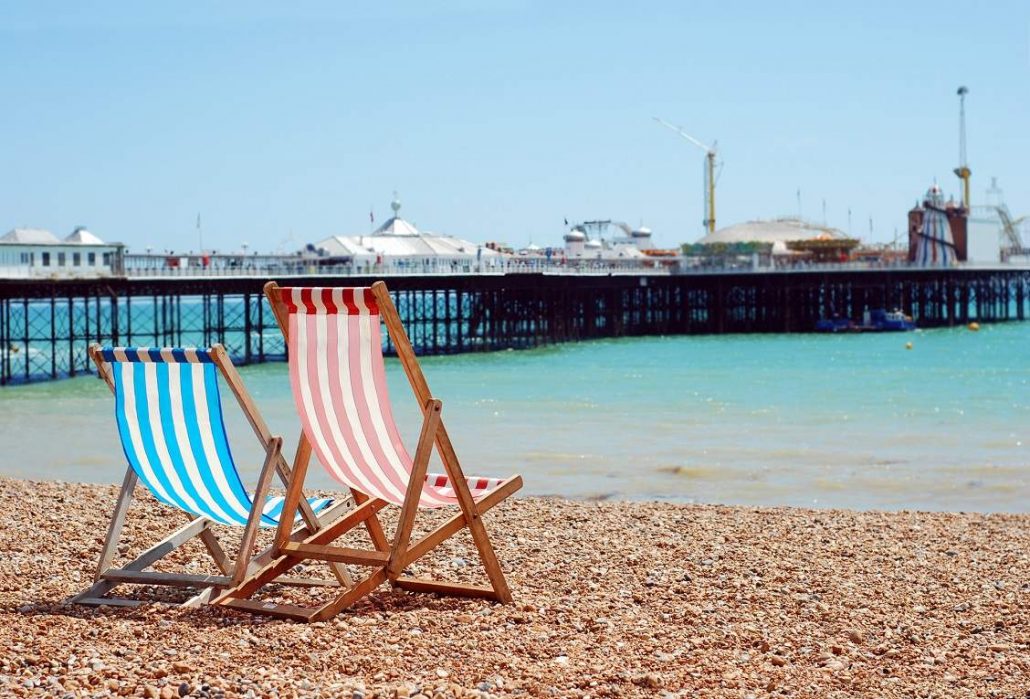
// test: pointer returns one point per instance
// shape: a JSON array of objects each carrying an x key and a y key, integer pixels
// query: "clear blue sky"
[{"x": 495, "y": 121}]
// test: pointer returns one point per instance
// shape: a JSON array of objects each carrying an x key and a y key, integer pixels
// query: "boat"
[
  {"x": 881, "y": 320},
  {"x": 836, "y": 324},
  {"x": 874, "y": 320}
]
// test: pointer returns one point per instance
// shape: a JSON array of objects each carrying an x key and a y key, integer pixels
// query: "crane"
[
  {"x": 710, "y": 153},
  {"x": 963, "y": 170}
]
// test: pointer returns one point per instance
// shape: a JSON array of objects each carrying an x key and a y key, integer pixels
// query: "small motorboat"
[
  {"x": 873, "y": 320},
  {"x": 880, "y": 320}
]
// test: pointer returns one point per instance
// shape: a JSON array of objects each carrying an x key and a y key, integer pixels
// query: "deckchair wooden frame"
[
  {"x": 232, "y": 571},
  {"x": 389, "y": 559}
]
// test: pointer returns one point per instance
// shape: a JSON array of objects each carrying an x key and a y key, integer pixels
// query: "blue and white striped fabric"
[{"x": 169, "y": 414}]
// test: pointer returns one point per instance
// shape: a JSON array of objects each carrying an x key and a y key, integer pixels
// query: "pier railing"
[{"x": 159, "y": 266}]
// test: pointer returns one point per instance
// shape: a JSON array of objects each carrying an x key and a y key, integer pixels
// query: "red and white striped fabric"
[{"x": 339, "y": 385}]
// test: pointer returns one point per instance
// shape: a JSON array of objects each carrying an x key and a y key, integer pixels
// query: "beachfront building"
[
  {"x": 398, "y": 246},
  {"x": 994, "y": 234},
  {"x": 35, "y": 252},
  {"x": 777, "y": 242},
  {"x": 587, "y": 246}
]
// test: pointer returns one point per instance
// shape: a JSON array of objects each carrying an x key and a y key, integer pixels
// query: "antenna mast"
[{"x": 962, "y": 171}]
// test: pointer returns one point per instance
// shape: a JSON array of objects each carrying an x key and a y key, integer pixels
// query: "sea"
[{"x": 931, "y": 420}]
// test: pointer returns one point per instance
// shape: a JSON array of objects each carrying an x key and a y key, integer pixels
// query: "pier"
[{"x": 46, "y": 325}]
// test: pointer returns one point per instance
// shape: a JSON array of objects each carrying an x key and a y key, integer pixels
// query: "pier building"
[
  {"x": 772, "y": 242},
  {"x": 35, "y": 252},
  {"x": 398, "y": 245}
]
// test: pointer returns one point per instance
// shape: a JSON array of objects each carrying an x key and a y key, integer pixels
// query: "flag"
[
  {"x": 566, "y": 222},
  {"x": 371, "y": 216},
  {"x": 198, "y": 222}
]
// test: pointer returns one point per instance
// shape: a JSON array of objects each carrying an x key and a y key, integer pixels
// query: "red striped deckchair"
[{"x": 339, "y": 385}]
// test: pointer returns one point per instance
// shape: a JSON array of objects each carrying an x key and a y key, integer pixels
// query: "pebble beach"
[{"x": 612, "y": 599}]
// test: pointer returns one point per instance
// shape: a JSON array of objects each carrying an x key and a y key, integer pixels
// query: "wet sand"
[{"x": 612, "y": 599}]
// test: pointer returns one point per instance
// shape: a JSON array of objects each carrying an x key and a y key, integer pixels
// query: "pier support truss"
[{"x": 46, "y": 325}]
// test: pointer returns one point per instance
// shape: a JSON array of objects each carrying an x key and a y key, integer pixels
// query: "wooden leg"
[
  {"x": 214, "y": 547},
  {"x": 155, "y": 553},
  {"x": 372, "y": 524},
  {"x": 254, "y": 520},
  {"x": 114, "y": 530},
  {"x": 294, "y": 481},
  {"x": 430, "y": 423},
  {"x": 294, "y": 491},
  {"x": 276, "y": 567},
  {"x": 456, "y": 523},
  {"x": 374, "y": 580},
  {"x": 472, "y": 518}
]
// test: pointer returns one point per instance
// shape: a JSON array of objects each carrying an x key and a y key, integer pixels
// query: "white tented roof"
[
  {"x": 388, "y": 245},
  {"x": 81, "y": 236},
  {"x": 397, "y": 226},
  {"x": 400, "y": 239},
  {"x": 781, "y": 229},
  {"x": 343, "y": 246},
  {"x": 32, "y": 236}
]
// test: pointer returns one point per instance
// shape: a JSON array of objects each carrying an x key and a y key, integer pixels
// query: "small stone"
[
  {"x": 180, "y": 666},
  {"x": 167, "y": 692},
  {"x": 997, "y": 647},
  {"x": 856, "y": 636},
  {"x": 441, "y": 673},
  {"x": 562, "y": 660},
  {"x": 919, "y": 609},
  {"x": 651, "y": 681},
  {"x": 777, "y": 660}
]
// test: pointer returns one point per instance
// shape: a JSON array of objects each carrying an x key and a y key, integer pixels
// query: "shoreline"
[{"x": 612, "y": 598}]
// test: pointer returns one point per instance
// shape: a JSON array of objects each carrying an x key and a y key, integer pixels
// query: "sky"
[{"x": 285, "y": 123}]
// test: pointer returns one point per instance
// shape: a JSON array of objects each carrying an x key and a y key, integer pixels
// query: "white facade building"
[
  {"x": 579, "y": 246},
  {"x": 36, "y": 253},
  {"x": 398, "y": 245}
]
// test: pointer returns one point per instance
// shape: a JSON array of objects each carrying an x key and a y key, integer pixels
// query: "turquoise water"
[{"x": 853, "y": 421}]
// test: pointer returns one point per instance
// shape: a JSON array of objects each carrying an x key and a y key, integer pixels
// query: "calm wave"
[{"x": 827, "y": 421}]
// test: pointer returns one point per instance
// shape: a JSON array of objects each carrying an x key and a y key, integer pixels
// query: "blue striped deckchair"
[{"x": 169, "y": 415}]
